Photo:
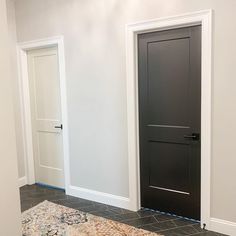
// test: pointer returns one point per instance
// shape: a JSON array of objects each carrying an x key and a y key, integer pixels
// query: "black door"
[{"x": 169, "y": 116}]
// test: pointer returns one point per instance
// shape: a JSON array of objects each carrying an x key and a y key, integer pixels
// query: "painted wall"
[
  {"x": 10, "y": 219},
  {"x": 96, "y": 85},
  {"x": 15, "y": 84}
]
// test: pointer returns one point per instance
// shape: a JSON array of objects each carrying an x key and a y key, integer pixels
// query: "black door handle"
[
  {"x": 59, "y": 127},
  {"x": 194, "y": 136}
]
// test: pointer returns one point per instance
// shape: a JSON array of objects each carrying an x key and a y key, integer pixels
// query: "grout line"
[{"x": 178, "y": 227}]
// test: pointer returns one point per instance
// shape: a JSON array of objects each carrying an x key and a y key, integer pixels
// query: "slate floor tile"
[
  {"x": 140, "y": 221},
  {"x": 126, "y": 216},
  {"x": 164, "y": 225},
  {"x": 106, "y": 213},
  {"x": 185, "y": 230},
  {"x": 183, "y": 222},
  {"x": 144, "y": 212},
  {"x": 93, "y": 208},
  {"x": 116, "y": 210},
  {"x": 165, "y": 217},
  {"x": 148, "y": 227},
  {"x": 198, "y": 228}
]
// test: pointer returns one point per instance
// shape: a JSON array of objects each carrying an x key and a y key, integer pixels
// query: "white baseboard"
[
  {"x": 100, "y": 197},
  {"x": 223, "y": 226},
  {"x": 22, "y": 181}
]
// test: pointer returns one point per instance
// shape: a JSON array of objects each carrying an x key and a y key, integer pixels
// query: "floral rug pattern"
[{"x": 49, "y": 219}]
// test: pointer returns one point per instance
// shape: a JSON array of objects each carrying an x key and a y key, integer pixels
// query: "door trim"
[
  {"x": 132, "y": 30},
  {"x": 22, "y": 49}
]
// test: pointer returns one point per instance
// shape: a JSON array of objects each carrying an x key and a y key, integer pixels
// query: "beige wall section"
[
  {"x": 16, "y": 95},
  {"x": 9, "y": 197},
  {"x": 95, "y": 64}
]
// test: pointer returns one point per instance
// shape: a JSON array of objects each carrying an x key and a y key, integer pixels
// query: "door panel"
[
  {"x": 166, "y": 91},
  {"x": 46, "y": 84},
  {"x": 169, "y": 113},
  {"x": 46, "y": 114},
  {"x": 49, "y": 150},
  {"x": 168, "y": 166}
]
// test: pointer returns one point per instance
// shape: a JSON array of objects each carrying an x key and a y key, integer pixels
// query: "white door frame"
[
  {"x": 22, "y": 49},
  {"x": 132, "y": 30}
]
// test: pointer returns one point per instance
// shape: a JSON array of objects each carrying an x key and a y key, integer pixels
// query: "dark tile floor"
[{"x": 164, "y": 224}]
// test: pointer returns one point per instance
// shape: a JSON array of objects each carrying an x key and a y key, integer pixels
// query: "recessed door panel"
[
  {"x": 50, "y": 150},
  {"x": 47, "y": 89},
  {"x": 169, "y": 166},
  {"x": 168, "y": 81}
]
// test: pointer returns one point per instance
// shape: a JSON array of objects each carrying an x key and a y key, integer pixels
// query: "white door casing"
[
  {"x": 22, "y": 49},
  {"x": 203, "y": 18},
  {"x": 44, "y": 86}
]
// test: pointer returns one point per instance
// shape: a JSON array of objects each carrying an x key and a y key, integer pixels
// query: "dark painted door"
[{"x": 169, "y": 120}]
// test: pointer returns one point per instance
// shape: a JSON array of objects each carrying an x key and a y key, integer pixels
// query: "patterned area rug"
[{"x": 48, "y": 219}]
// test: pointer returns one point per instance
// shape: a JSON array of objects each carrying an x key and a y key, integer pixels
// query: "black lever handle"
[
  {"x": 59, "y": 127},
  {"x": 194, "y": 136}
]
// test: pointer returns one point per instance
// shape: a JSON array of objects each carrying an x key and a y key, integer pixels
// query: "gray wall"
[
  {"x": 96, "y": 84},
  {"x": 9, "y": 198}
]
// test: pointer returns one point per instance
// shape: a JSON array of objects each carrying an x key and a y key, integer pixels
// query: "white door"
[{"x": 45, "y": 99}]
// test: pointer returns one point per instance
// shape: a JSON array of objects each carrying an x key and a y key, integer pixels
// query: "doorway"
[
  {"x": 47, "y": 127},
  {"x": 203, "y": 18},
  {"x": 43, "y": 99},
  {"x": 169, "y": 68}
]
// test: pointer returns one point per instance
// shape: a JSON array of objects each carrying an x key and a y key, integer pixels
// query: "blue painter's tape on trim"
[
  {"x": 49, "y": 186},
  {"x": 169, "y": 214}
]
